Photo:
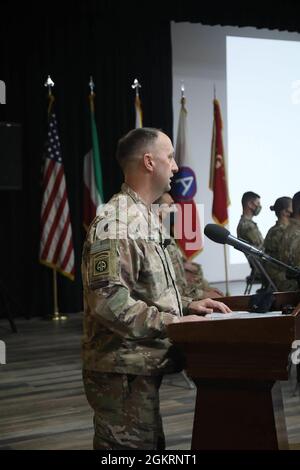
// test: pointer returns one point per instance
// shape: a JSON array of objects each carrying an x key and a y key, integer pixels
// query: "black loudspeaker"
[{"x": 10, "y": 155}]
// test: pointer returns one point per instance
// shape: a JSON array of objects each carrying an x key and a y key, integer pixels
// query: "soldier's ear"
[{"x": 148, "y": 161}]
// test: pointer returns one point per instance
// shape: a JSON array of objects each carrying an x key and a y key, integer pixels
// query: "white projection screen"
[{"x": 263, "y": 118}]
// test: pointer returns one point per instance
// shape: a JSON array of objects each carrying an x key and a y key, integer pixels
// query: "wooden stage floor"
[{"x": 43, "y": 406}]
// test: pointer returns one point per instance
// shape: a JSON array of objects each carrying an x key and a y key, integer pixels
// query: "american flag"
[{"x": 56, "y": 248}]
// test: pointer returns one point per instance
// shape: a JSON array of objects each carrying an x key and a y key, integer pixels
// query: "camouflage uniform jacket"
[
  {"x": 247, "y": 230},
  {"x": 272, "y": 246},
  {"x": 290, "y": 252},
  {"x": 130, "y": 294},
  {"x": 194, "y": 290}
]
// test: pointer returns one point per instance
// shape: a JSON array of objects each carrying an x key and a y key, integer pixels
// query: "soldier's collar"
[
  {"x": 244, "y": 217},
  {"x": 294, "y": 221},
  {"x": 127, "y": 189}
]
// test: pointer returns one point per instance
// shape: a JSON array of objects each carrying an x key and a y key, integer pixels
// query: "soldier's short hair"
[
  {"x": 296, "y": 203},
  {"x": 249, "y": 196},
  {"x": 135, "y": 143}
]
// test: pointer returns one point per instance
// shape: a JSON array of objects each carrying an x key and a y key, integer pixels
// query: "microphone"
[
  {"x": 219, "y": 234},
  {"x": 165, "y": 243}
]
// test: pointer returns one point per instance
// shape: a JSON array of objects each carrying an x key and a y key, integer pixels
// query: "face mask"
[{"x": 257, "y": 210}]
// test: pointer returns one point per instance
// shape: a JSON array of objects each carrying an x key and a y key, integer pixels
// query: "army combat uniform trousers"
[{"x": 126, "y": 410}]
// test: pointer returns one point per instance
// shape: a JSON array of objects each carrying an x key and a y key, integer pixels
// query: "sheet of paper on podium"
[{"x": 240, "y": 315}]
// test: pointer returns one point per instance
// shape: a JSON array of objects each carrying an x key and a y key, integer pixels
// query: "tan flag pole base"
[{"x": 56, "y": 315}]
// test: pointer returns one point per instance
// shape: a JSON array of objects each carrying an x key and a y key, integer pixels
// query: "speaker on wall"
[{"x": 10, "y": 155}]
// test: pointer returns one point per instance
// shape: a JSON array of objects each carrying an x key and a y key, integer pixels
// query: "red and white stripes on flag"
[{"x": 56, "y": 246}]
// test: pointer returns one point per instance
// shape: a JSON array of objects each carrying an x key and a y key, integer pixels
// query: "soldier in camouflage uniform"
[
  {"x": 273, "y": 241},
  {"x": 290, "y": 246},
  {"x": 189, "y": 276},
  {"x": 130, "y": 296},
  {"x": 192, "y": 285},
  {"x": 247, "y": 229}
]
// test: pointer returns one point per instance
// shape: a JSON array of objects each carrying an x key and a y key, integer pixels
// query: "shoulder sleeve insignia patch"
[{"x": 104, "y": 263}]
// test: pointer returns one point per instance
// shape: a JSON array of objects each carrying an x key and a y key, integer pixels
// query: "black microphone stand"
[
  {"x": 292, "y": 269},
  {"x": 256, "y": 266},
  {"x": 253, "y": 261}
]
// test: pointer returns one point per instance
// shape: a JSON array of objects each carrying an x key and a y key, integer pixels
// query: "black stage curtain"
[
  {"x": 70, "y": 45},
  {"x": 270, "y": 14},
  {"x": 115, "y": 41}
]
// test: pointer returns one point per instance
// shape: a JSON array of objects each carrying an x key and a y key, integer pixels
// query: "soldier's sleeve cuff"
[{"x": 186, "y": 301}]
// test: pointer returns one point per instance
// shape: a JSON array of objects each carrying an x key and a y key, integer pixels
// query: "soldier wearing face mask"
[
  {"x": 247, "y": 229},
  {"x": 273, "y": 242},
  {"x": 290, "y": 245}
]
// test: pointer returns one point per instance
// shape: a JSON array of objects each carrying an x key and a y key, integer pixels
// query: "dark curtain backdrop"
[
  {"x": 115, "y": 42},
  {"x": 280, "y": 14},
  {"x": 71, "y": 46}
]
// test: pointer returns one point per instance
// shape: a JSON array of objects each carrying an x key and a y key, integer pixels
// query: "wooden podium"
[{"x": 235, "y": 364}]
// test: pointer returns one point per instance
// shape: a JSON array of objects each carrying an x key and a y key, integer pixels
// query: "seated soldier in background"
[
  {"x": 272, "y": 244},
  {"x": 247, "y": 229},
  {"x": 189, "y": 276},
  {"x": 290, "y": 245}
]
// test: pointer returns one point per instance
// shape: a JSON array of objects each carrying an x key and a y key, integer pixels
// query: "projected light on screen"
[{"x": 263, "y": 105}]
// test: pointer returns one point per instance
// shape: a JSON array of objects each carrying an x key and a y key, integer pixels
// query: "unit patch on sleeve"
[{"x": 104, "y": 263}]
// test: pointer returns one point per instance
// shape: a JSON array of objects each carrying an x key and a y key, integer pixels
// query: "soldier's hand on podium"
[
  {"x": 202, "y": 307},
  {"x": 190, "y": 318}
]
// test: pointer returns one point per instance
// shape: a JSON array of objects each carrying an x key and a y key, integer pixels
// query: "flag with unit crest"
[
  {"x": 188, "y": 231},
  {"x": 218, "y": 180}
]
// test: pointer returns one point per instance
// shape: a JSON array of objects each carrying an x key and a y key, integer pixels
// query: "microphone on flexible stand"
[{"x": 219, "y": 234}]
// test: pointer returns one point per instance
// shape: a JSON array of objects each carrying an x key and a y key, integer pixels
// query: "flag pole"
[
  {"x": 136, "y": 85},
  {"x": 225, "y": 248},
  {"x": 182, "y": 88},
  {"x": 218, "y": 182},
  {"x": 138, "y": 108},
  {"x": 226, "y": 272},
  {"x": 56, "y": 315},
  {"x": 92, "y": 86}
]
